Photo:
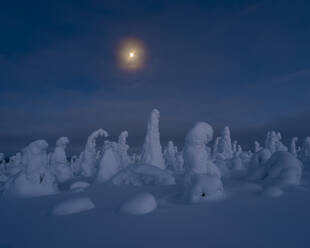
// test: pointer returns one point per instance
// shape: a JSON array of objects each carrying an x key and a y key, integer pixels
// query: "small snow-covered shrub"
[{"x": 142, "y": 203}]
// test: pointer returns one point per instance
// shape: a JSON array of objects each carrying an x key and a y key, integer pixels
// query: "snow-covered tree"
[
  {"x": 123, "y": 149},
  {"x": 152, "y": 151},
  {"x": 273, "y": 142},
  {"x": 215, "y": 147},
  {"x": 257, "y": 146},
  {"x": 225, "y": 146},
  {"x": 88, "y": 156},
  {"x": 202, "y": 178},
  {"x": 234, "y": 146},
  {"x": 75, "y": 165},
  {"x": 2, "y": 163},
  {"x": 109, "y": 165},
  {"x": 59, "y": 162},
  {"x": 170, "y": 155},
  {"x": 15, "y": 164},
  {"x": 196, "y": 158},
  {"x": 305, "y": 150},
  {"x": 36, "y": 179},
  {"x": 293, "y": 149}
]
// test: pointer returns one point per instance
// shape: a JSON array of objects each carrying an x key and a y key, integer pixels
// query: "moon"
[{"x": 131, "y": 54}]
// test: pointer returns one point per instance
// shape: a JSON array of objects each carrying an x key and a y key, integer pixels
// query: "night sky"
[{"x": 239, "y": 63}]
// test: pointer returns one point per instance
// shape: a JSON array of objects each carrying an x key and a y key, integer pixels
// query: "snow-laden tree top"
[{"x": 200, "y": 134}]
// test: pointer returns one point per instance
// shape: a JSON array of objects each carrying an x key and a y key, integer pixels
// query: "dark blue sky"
[{"x": 239, "y": 63}]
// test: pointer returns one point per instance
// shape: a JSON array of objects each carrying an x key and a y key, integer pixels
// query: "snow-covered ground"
[
  {"x": 245, "y": 218},
  {"x": 195, "y": 197}
]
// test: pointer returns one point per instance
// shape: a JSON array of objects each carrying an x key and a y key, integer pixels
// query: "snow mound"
[
  {"x": 273, "y": 191},
  {"x": 79, "y": 186},
  {"x": 205, "y": 188},
  {"x": 73, "y": 206},
  {"x": 143, "y": 175},
  {"x": 142, "y": 203}
]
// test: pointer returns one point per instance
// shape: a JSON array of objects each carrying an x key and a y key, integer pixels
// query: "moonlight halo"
[{"x": 131, "y": 54}]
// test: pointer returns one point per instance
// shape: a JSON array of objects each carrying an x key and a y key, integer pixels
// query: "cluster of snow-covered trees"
[{"x": 34, "y": 171}]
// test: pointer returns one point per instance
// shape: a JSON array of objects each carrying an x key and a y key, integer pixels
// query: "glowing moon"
[{"x": 131, "y": 54}]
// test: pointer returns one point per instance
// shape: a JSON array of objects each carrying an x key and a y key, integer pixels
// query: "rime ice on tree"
[
  {"x": 257, "y": 146},
  {"x": 122, "y": 149},
  {"x": 59, "y": 162},
  {"x": 202, "y": 179},
  {"x": 36, "y": 180},
  {"x": 305, "y": 150},
  {"x": 172, "y": 157},
  {"x": 88, "y": 157},
  {"x": 152, "y": 151},
  {"x": 196, "y": 158},
  {"x": 273, "y": 142},
  {"x": 223, "y": 145},
  {"x": 293, "y": 149}
]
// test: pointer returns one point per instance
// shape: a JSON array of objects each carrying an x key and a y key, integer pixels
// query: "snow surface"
[
  {"x": 245, "y": 218},
  {"x": 142, "y": 203}
]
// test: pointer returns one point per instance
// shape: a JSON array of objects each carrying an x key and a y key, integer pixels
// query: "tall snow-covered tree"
[
  {"x": 152, "y": 151},
  {"x": 225, "y": 145}
]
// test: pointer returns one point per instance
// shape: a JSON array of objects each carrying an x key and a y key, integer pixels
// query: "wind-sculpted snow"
[
  {"x": 142, "y": 203},
  {"x": 79, "y": 186},
  {"x": 73, "y": 206}
]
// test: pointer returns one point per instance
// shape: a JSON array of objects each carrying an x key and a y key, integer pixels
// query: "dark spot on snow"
[
  {"x": 41, "y": 178},
  {"x": 203, "y": 194}
]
